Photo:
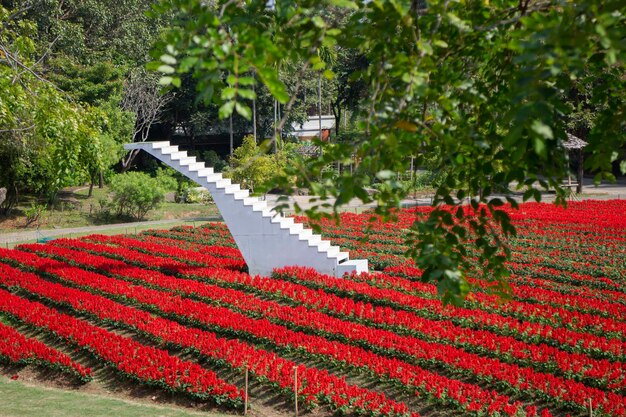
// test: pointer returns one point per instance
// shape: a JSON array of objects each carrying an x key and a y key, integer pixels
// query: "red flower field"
[{"x": 159, "y": 307}]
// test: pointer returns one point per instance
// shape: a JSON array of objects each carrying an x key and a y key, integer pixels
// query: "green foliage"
[
  {"x": 477, "y": 89},
  {"x": 135, "y": 193},
  {"x": 166, "y": 178},
  {"x": 213, "y": 160},
  {"x": 34, "y": 213},
  {"x": 251, "y": 167},
  {"x": 194, "y": 195},
  {"x": 48, "y": 141}
]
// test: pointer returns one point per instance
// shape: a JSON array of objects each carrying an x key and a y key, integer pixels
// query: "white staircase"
[{"x": 266, "y": 239}]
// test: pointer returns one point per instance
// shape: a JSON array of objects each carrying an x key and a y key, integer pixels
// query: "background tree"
[
  {"x": 143, "y": 98},
  {"x": 42, "y": 129}
]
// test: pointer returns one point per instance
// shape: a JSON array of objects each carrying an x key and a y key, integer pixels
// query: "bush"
[
  {"x": 213, "y": 160},
  {"x": 251, "y": 168},
  {"x": 135, "y": 193},
  {"x": 34, "y": 213},
  {"x": 193, "y": 195},
  {"x": 166, "y": 178}
]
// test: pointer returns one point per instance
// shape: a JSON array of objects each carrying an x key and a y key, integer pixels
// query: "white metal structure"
[{"x": 266, "y": 239}]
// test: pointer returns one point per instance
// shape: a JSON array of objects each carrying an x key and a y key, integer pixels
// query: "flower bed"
[{"x": 556, "y": 347}]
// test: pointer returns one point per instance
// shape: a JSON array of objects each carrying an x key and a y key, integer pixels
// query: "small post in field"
[
  {"x": 245, "y": 395},
  {"x": 590, "y": 408},
  {"x": 295, "y": 386}
]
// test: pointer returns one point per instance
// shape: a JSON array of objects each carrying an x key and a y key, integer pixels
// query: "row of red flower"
[
  {"x": 146, "y": 364},
  {"x": 177, "y": 253},
  {"x": 18, "y": 349},
  {"x": 583, "y": 299},
  {"x": 601, "y": 372},
  {"x": 313, "y": 384},
  {"x": 596, "y": 346},
  {"x": 406, "y": 279},
  {"x": 454, "y": 359},
  {"x": 547, "y": 358},
  {"x": 466, "y": 396}
]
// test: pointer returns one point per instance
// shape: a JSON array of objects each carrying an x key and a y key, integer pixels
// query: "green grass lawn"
[{"x": 19, "y": 399}]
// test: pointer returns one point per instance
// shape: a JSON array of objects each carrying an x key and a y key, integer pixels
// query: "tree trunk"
[
  {"x": 101, "y": 180},
  {"x": 254, "y": 118},
  {"x": 579, "y": 176},
  {"x": 231, "y": 133},
  {"x": 275, "y": 127},
  {"x": 337, "y": 113},
  {"x": 91, "y": 184},
  {"x": 319, "y": 102},
  {"x": 126, "y": 163}
]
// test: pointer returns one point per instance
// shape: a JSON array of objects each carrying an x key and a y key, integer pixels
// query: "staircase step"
[
  {"x": 249, "y": 201},
  {"x": 159, "y": 145},
  {"x": 213, "y": 178},
  {"x": 331, "y": 251},
  {"x": 323, "y": 246},
  {"x": 223, "y": 182},
  {"x": 178, "y": 155},
  {"x": 284, "y": 221},
  {"x": 341, "y": 256},
  {"x": 305, "y": 234},
  {"x": 352, "y": 266},
  {"x": 197, "y": 166},
  {"x": 314, "y": 240},
  {"x": 168, "y": 150},
  {"x": 295, "y": 228},
  {"x": 240, "y": 194},
  {"x": 204, "y": 171},
  {"x": 187, "y": 161}
]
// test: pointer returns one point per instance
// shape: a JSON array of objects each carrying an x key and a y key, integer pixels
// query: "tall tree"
[{"x": 477, "y": 84}]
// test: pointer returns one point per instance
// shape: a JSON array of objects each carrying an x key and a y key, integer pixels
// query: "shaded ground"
[{"x": 73, "y": 209}]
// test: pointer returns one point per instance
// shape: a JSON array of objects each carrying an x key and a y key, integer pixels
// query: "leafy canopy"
[{"x": 480, "y": 87}]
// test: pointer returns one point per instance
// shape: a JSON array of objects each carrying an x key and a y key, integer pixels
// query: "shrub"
[
  {"x": 193, "y": 195},
  {"x": 251, "y": 168},
  {"x": 166, "y": 178},
  {"x": 34, "y": 213},
  {"x": 213, "y": 160},
  {"x": 135, "y": 193}
]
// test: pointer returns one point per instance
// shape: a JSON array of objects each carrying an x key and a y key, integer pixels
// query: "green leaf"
[
  {"x": 622, "y": 166},
  {"x": 243, "y": 110},
  {"x": 187, "y": 63},
  {"x": 346, "y": 4},
  {"x": 273, "y": 83},
  {"x": 460, "y": 24},
  {"x": 246, "y": 81},
  {"x": 424, "y": 47},
  {"x": 168, "y": 59},
  {"x": 318, "y": 22},
  {"x": 245, "y": 93},
  {"x": 167, "y": 80},
  {"x": 542, "y": 129},
  {"x": 228, "y": 93},
  {"x": 166, "y": 69},
  {"x": 385, "y": 174},
  {"x": 226, "y": 109}
]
